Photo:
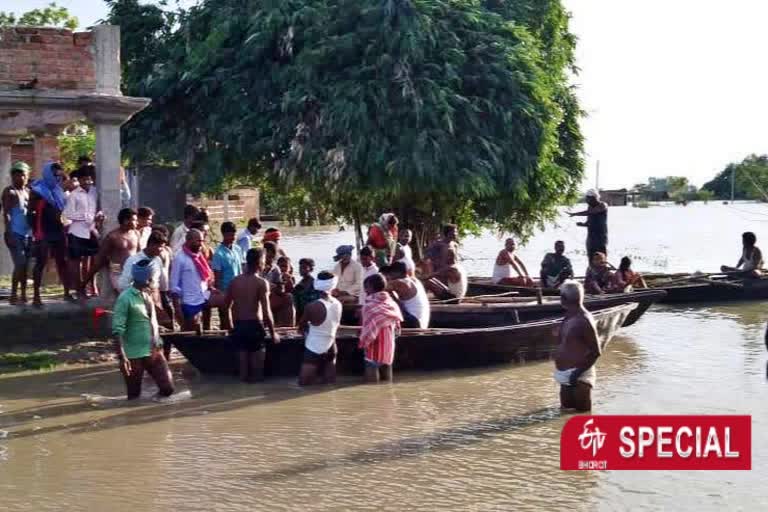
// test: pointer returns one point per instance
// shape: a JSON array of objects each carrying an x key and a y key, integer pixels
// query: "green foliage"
[
  {"x": 77, "y": 140},
  {"x": 751, "y": 179},
  {"x": 51, "y": 16},
  {"x": 677, "y": 188},
  {"x": 10, "y": 362},
  {"x": 438, "y": 109}
]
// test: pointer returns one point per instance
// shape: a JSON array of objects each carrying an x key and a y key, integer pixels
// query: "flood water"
[{"x": 472, "y": 440}]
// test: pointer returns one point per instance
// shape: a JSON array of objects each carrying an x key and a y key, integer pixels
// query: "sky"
[{"x": 670, "y": 87}]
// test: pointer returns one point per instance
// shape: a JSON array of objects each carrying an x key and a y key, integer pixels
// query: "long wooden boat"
[
  {"x": 417, "y": 349},
  {"x": 496, "y": 311},
  {"x": 679, "y": 288}
]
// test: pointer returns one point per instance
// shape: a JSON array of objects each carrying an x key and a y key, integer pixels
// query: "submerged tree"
[{"x": 438, "y": 109}]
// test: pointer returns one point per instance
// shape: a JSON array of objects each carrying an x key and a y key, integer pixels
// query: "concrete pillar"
[
  {"x": 106, "y": 44},
  {"x": 107, "y": 163},
  {"x": 46, "y": 149},
  {"x": 6, "y": 141}
]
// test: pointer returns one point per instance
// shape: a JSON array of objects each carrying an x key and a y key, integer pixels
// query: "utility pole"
[{"x": 597, "y": 177}]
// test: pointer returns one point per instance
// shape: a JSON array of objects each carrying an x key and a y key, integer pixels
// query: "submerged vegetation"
[{"x": 12, "y": 362}]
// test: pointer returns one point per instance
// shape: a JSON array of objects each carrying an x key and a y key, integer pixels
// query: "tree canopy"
[
  {"x": 50, "y": 16},
  {"x": 751, "y": 179},
  {"x": 438, "y": 109}
]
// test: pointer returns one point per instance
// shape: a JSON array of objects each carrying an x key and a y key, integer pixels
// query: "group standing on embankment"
[{"x": 178, "y": 281}]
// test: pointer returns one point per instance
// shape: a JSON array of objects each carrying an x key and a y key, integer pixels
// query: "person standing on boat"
[
  {"x": 320, "y": 321},
  {"x": 349, "y": 273},
  {"x": 15, "y": 199},
  {"x": 450, "y": 282},
  {"x": 369, "y": 268},
  {"x": 555, "y": 267},
  {"x": 577, "y": 351},
  {"x": 382, "y": 237},
  {"x": 248, "y": 297},
  {"x": 599, "y": 276},
  {"x": 227, "y": 264},
  {"x": 381, "y": 325},
  {"x": 507, "y": 263},
  {"x": 191, "y": 278},
  {"x": 436, "y": 253},
  {"x": 410, "y": 295},
  {"x": 137, "y": 336},
  {"x": 751, "y": 261},
  {"x": 596, "y": 224}
]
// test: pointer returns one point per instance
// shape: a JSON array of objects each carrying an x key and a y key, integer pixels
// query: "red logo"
[{"x": 656, "y": 442}]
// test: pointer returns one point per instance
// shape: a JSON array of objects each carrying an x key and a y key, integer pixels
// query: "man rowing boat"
[{"x": 751, "y": 261}]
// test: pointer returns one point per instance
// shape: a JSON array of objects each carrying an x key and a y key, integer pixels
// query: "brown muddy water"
[{"x": 470, "y": 440}]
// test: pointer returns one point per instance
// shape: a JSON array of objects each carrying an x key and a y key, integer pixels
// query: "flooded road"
[{"x": 471, "y": 440}]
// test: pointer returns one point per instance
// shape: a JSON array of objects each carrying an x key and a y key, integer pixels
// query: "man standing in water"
[
  {"x": 248, "y": 296},
  {"x": 577, "y": 352},
  {"x": 15, "y": 199},
  {"x": 596, "y": 224},
  {"x": 137, "y": 337},
  {"x": 320, "y": 321},
  {"x": 381, "y": 325},
  {"x": 119, "y": 244},
  {"x": 191, "y": 278}
]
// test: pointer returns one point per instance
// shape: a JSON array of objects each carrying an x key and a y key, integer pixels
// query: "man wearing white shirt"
[
  {"x": 179, "y": 236},
  {"x": 190, "y": 278},
  {"x": 83, "y": 238},
  {"x": 245, "y": 237},
  {"x": 350, "y": 275},
  {"x": 155, "y": 244},
  {"x": 369, "y": 268}
]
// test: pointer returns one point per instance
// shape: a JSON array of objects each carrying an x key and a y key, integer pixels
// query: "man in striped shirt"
[{"x": 381, "y": 323}]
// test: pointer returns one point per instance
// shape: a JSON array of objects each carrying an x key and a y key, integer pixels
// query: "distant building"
[{"x": 616, "y": 197}]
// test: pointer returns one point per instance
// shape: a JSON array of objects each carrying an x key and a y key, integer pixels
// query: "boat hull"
[{"x": 417, "y": 349}]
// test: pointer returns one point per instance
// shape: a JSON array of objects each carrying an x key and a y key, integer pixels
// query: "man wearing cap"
[
  {"x": 596, "y": 224},
  {"x": 350, "y": 275},
  {"x": 15, "y": 199},
  {"x": 137, "y": 335}
]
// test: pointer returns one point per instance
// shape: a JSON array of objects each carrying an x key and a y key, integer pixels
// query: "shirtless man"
[
  {"x": 116, "y": 247},
  {"x": 508, "y": 262},
  {"x": 578, "y": 351},
  {"x": 437, "y": 253},
  {"x": 751, "y": 261},
  {"x": 248, "y": 296},
  {"x": 450, "y": 282},
  {"x": 409, "y": 294}
]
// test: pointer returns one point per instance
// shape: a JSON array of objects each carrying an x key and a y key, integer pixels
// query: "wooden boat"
[
  {"x": 495, "y": 311},
  {"x": 679, "y": 288},
  {"x": 417, "y": 349}
]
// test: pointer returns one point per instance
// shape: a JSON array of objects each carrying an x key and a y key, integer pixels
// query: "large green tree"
[
  {"x": 751, "y": 179},
  {"x": 439, "y": 109},
  {"x": 50, "y": 16}
]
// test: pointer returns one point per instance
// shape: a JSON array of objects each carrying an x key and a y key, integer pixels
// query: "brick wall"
[{"x": 55, "y": 57}]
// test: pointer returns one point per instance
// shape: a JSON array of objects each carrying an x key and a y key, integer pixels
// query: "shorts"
[
  {"x": 249, "y": 335},
  {"x": 318, "y": 359},
  {"x": 20, "y": 253},
  {"x": 190, "y": 312},
  {"x": 81, "y": 247}
]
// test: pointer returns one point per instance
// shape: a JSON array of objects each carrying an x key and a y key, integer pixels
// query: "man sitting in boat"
[
  {"x": 625, "y": 279},
  {"x": 577, "y": 352},
  {"x": 381, "y": 325},
  {"x": 409, "y": 294},
  {"x": 450, "y": 282},
  {"x": 507, "y": 264},
  {"x": 751, "y": 261},
  {"x": 350, "y": 275},
  {"x": 599, "y": 275},
  {"x": 555, "y": 267},
  {"x": 435, "y": 255},
  {"x": 320, "y": 321},
  {"x": 248, "y": 297}
]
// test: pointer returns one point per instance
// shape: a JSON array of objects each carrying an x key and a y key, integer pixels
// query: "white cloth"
[
  {"x": 501, "y": 272},
  {"x": 459, "y": 288},
  {"x": 351, "y": 279},
  {"x": 325, "y": 285},
  {"x": 410, "y": 266},
  {"x": 244, "y": 239},
  {"x": 367, "y": 271},
  {"x": 407, "y": 252},
  {"x": 125, "y": 280},
  {"x": 418, "y": 305},
  {"x": 563, "y": 377},
  {"x": 186, "y": 282},
  {"x": 80, "y": 210},
  {"x": 144, "y": 236},
  {"x": 321, "y": 337},
  {"x": 179, "y": 238}
]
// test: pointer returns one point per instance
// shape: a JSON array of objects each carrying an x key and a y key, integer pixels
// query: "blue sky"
[{"x": 671, "y": 87}]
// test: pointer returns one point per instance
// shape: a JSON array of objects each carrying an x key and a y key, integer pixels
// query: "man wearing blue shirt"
[{"x": 227, "y": 264}]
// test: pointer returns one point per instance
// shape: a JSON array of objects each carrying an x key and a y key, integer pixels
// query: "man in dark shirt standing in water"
[{"x": 596, "y": 224}]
